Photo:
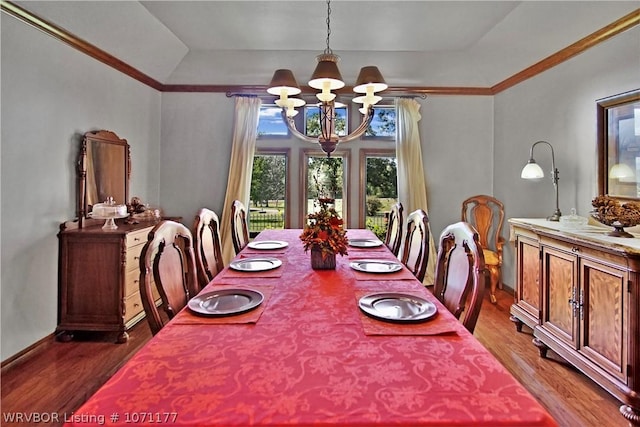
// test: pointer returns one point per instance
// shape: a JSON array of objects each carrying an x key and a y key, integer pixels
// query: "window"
[
  {"x": 269, "y": 189},
  {"x": 383, "y": 125},
  {"x": 270, "y": 122},
  {"x": 379, "y": 187},
  {"x": 325, "y": 177},
  {"x": 312, "y": 121}
]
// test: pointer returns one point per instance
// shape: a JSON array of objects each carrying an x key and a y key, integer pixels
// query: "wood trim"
[
  {"x": 593, "y": 39},
  {"x": 626, "y": 22},
  {"x": 77, "y": 43},
  {"x": 22, "y": 356}
]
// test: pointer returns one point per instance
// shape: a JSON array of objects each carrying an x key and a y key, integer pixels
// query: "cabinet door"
[
  {"x": 603, "y": 314},
  {"x": 528, "y": 280},
  {"x": 560, "y": 290}
]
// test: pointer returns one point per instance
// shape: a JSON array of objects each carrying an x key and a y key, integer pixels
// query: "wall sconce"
[
  {"x": 622, "y": 172},
  {"x": 534, "y": 172}
]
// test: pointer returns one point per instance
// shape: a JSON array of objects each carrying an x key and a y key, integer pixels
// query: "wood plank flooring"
[{"x": 59, "y": 377}]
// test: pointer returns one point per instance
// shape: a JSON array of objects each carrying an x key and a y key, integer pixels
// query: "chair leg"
[{"x": 494, "y": 277}]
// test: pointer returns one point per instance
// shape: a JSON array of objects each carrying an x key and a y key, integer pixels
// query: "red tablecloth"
[{"x": 308, "y": 361}]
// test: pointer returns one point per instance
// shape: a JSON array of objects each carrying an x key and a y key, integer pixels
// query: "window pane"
[
  {"x": 325, "y": 178},
  {"x": 268, "y": 192},
  {"x": 312, "y": 121},
  {"x": 381, "y": 192},
  {"x": 383, "y": 124},
  {"x": 271, "y": 123}
]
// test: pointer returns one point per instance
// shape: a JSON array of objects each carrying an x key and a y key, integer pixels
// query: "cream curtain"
[
  {"x": 247, "y": 110},
  {"x": 412, "y": 187}
]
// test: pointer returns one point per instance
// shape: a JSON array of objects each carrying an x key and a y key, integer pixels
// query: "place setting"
[
  {"x": 401, "y": 313},
  {"x": 379, "y": 269},
  {"x": 224, "y": 305},
  {"x": 267, "y": 246},
  {"x": 256, "y": 266}
]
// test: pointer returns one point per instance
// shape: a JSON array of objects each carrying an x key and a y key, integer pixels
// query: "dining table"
[{"x": 309, "y": 355}]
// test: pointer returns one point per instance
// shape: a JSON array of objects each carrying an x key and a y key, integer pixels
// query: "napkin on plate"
[{"x": 187, "y": 317}]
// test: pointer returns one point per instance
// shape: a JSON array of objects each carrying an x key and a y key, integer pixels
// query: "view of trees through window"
[
  {"x": 325, "y": 178},
  {"x": 383, "y": 124},
  {"x": 381, "y": 191},
  {"x": 268, "y": 191},
  {"x": 312, "y": 124}
]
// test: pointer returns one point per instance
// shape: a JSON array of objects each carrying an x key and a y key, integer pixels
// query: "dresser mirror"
[
  {"x": 618, "y": 122},
  {"x": 104, "y": 169}
]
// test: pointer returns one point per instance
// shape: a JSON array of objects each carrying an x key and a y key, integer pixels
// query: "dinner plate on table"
[
  {"x": 376, "y": 266},
  {"x": 365, "y": 243},
  {"x": 225, "y": 302},
  {"x": 397, "y": 307},
  {"x": 267, "y": 244},
  {"x": 255, "y": 264}
]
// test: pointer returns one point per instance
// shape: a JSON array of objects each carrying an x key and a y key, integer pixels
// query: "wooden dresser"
[
  {"x": 99, "y": 276},
  {"x": 580, "y": 293}
]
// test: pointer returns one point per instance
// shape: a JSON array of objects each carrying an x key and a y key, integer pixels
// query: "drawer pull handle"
[
  {"x": 137, "y": 258},
  {"x": 575, "y": 249}
]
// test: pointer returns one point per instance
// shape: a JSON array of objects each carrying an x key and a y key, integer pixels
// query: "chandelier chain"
[{"x": 328, "y": 49}]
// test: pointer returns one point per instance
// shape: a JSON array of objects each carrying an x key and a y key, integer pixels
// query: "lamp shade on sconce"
[{"x": 622, "y": 172}]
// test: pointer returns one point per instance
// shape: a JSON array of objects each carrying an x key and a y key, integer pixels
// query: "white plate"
[
  {"x": 225, "y": 302},
  {"x": 375, "y": 266},
  {"x": 255, "y": 264},
  {"x": 365, "y": 243},
  {"x": 397, "y": 307},
  {"x": 267, "y": 244}
]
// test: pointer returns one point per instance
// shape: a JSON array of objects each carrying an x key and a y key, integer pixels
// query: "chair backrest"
[
  {"x": 207, "y": 245},
  {"x": 167, "y": 262},
  {"x": 239, "y": 229},
  {"x": 393, "y": 239},
  {"x": 415, "y": 254},
  {"x": 486, "y": 215},
  {"x": 460, "y": 273}
]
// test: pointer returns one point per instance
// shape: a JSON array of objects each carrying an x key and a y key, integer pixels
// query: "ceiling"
[{"x": 414, "y": 43}]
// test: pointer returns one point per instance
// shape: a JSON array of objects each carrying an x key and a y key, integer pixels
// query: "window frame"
[
  {"x": 362, "y": 199},
  {"x": 286, "y": 152}
]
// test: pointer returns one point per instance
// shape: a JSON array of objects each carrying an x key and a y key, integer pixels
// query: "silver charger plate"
[
  {"x": 375, "y": 266},
  {"x": 397, "y": 307},
  {"x": 225, "y": 302},
  {"x": 267, "y": 244},
  {"x": 255, "y": 264},
  {"x": 365, "y": 243}
]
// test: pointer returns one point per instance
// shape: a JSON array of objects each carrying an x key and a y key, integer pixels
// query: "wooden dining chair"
[
  {"x": 461, "y": 273},
  {"x": 239, "y": 229},
  {"x": 207, "y": 245},
  {"x": 167, "y": 262},
  {"x": 415, "y": 254},
  {"x": 486, "y": 215},
  {"x": 393, "y": 239}
]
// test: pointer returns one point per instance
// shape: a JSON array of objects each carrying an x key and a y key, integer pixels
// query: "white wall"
[
  {"x": 558, "y": 106},
  {"x": 51, "y": 95}
]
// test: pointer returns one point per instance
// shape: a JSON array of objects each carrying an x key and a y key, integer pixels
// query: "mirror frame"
[
  {"x": 99, "y": 137},
  {"x": 608, "y": 138}
]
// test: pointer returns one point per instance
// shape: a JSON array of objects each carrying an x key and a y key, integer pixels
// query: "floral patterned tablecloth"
[{"x": 308, "y": 361}]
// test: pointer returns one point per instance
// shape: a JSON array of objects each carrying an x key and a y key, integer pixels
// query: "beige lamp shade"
[
  {"x": 623, "y": 172},
  {"x": 283, "y": 83},
  {"x": 370, "y": 76}
]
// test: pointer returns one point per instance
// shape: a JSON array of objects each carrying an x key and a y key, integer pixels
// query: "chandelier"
[{"x": 326, "y": 78}]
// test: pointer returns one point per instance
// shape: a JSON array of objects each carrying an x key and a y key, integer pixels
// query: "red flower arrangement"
[{"x": 324, "y": 230}]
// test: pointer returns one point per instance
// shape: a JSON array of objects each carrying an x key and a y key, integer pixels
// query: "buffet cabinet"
[
  {"x": 579, "y": 292},
  {"x": 99, "y": 275}
]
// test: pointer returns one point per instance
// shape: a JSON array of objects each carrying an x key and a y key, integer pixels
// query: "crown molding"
[{"x": 626, "y": 22}]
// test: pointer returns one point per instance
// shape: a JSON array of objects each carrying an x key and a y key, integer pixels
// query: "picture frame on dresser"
[{"x": 618, "y": 145}]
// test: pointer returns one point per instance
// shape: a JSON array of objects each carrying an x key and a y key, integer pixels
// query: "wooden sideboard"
[
  {"x": 99, "y": 275},
  {"x": 579, "y": 290}
]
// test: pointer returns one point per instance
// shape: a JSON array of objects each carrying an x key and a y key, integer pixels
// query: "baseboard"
[{"x": 25, "y": 354}]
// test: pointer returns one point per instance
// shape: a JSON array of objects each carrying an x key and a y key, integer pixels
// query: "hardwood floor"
[{"x": 57, "y": 378}]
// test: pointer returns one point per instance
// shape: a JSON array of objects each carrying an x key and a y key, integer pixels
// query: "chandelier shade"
[{"x": 326, "y": 77}]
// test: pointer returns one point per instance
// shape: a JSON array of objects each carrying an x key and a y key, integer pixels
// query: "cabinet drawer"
[
  {"x": 132, "y": 285},
  {"x": 138, "y": 237},
  {"x": 132, "y": 306},
  {"x": 133, "y": 258}
]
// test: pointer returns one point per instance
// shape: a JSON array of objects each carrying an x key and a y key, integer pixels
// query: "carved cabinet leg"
[
  {"x": 64, "y": 336},
  {"x": 542, "y": 348},
  {"x": 123, "y": 337},
  {"x": 632, "y": 415},
  {"x": 517, "y": 322}
]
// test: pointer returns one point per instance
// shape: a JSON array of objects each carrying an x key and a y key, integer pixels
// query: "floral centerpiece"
[{"x": 324, "y": 235}]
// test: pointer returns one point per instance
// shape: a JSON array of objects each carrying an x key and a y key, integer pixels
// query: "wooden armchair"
[
  {"x": 393, "y": 239},
  {"x": 460, "y": 273},
  {"x": 167, "y": 262},
  {"x": 239, "y": 229},
  {"x": 415, "y": 254},
  {"x": 207, "y": 245},
  {"x": 486, "y": 215}
]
